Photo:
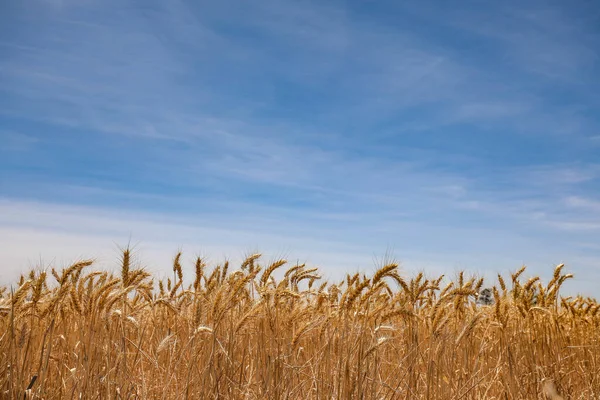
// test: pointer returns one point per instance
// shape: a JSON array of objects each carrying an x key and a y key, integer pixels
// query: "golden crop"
[{"x": 246, "y": 334}]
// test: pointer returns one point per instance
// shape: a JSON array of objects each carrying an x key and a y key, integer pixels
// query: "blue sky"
[{"x": 453, "y": 136}]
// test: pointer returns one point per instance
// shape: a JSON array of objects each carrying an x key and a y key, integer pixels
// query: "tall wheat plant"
[{"x": 277, "y": 331}]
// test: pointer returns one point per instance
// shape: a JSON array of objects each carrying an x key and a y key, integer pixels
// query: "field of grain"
[{"x": 277, "y": 331}]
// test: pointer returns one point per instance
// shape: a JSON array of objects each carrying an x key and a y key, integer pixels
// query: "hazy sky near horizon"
[{"x": 450, "y": 136}]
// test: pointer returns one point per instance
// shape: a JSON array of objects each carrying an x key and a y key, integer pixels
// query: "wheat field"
[{"x": 278, "y": 331}]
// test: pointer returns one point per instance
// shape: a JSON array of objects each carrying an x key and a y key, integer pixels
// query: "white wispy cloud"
[
  {"x": 583, "y": 203},
  {"x": 125, "y": 82},
  {"x": 539, "y": 37},
  {"x": 54, "y": 234}
]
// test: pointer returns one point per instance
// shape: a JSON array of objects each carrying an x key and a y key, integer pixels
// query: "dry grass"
[{"x": 246, "y": 334}]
